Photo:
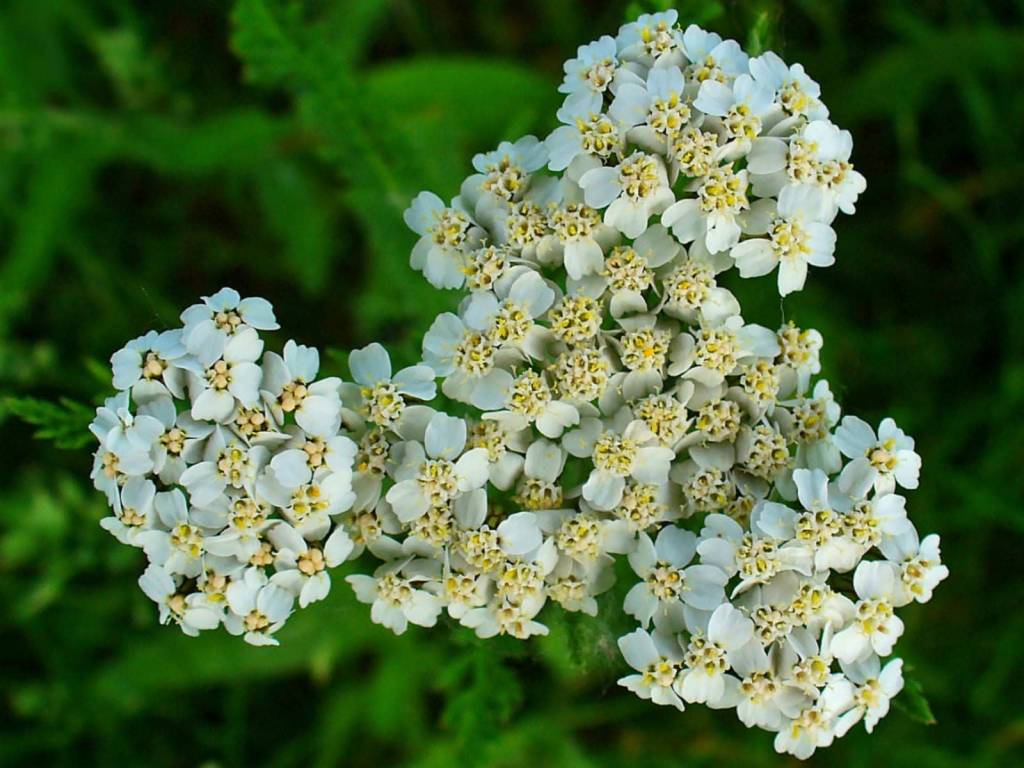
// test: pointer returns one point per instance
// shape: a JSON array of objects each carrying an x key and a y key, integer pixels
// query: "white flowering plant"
[{"x": 596, "y": 406}]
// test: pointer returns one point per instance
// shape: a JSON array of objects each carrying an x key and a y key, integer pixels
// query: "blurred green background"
[{"x": 153, "y": 152}]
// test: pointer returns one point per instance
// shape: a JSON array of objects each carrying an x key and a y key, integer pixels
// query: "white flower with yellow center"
[
  {"x": 466, "y": 358},
  {"x": 180, "y": 440},
  {"x": 712, "y": 58},
  {"x": 713, "y": 649},
  {"x": 447, "y": 235},
  {"x": 716, "y": 350},
  {"x": 530, "y": 401},
  {"x": 587, "y": 135},
  {"x": 876, "y": 686},
  {"x": 712, "y": 215},
  {"x": 617, "y": 456},
  {"x": 919, "y": 560},
  {"x": 690, "y": 288},
  {"x": 134, "y": 511},
  {"x": 652, "y": 40},
  {"x": 181, "y": 547},
  {"x": 742, "y": 107},
  {"x": 436, "y": 471},
  {"x": 806, "y": 731},
  {"x": 210, "y": 325},
  {"x": 258, "y": 608},
  {"x": 885, "y": 460},
  {"x": 797, "y": 237},
  {"x": 819, "y": 156},
  {"x": 800, "y": 356},
  {"x": 798, "y": 94},
  {"x": 301, "y": 567},
  {"x": 192, "y": 612},
  {"x": 290, "y": 388},
  {"x": 126, "y": 445},
  {"x": 875, "y": 627},
  {"x": 593, "y": 69},
  {"x": 630, "y": 270},
  {"x": 657, "y": 660},
  {"x": 633, "y": 191},
  {"x": 504, "y": 174},
  {"x": 379, "y": 395},
  {"x": 665, "y": 111},
  {"x": 154, "y": 365},
  {"x": 508, "y": 316},
  {"x": 226, "y": 462},
  {"x": 229, "y": 378},
  {"x": 295, "y": 466},
  {"x": 643, "y": 352},
  {"x": 821, "y": 526},
  {"x": 578, "y": 240},
  {"x": 399, "y": 594},
  {"x": 759, "y": 555},
  {"x": 668, "y": 581},
  {"x": 309, "y": 506}
]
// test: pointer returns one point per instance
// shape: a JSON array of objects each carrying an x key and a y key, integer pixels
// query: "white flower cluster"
[
  {"x": 629, "y": 408},
  {"x": 605, "y": 398},
  {"x": 224, "y": 463}
]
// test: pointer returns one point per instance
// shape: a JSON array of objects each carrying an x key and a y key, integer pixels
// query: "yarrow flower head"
[{"x": 615, "y": 403}]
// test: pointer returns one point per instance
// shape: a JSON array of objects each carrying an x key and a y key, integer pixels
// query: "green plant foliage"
[
  {"x": 153, "y": 152},
  {"x": 65, "y": 422}
]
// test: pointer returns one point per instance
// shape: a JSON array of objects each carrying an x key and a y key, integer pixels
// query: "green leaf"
[
  {"x": 263, "y": 37},
  {"x": 762, "y": 31},
  {"x": 912, "y": 702},
  {"x": 65, "y": 422}
]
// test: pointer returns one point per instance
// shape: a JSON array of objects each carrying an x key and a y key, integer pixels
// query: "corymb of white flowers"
[{"x": 621, "y": 406}]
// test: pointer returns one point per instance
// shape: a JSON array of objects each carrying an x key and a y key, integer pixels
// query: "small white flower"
[
  {"x": 587, "y": 135},
  {"x": 301, "y": 567},
  {"x": 711, "y": 57},
  {"x": 712, "y": 215},
  {"x": 760, "y": 555},
  {"x": 885, "y": 460},
  {"x": 657, "y": 659},
  {"x": 193, "y": 613},
  {"x": 667, "y": 583},
  {"x": 876, "y": 686},
  {"x": 309, "y": 506},
  {"x": 133, "y": 511},
  {"x": 652, "y": 40},
  {"x": 380, "y": 395},
  {"x": 919, "y": 560},
  {"x": 468, "y": 359},
  {"x": 230, "y": 376},
  {"x": 210, "y": 325},
  {"x": 437, "y": 471},
  {"x": 258, "y": 608},
  {"x": 226, "y": 462},
  {"x": 798, "y": 237},
  {"x": 590, "y": 74},
  {"x": 179, "y": 549},
  {"x": 817, "y": 155},
  {"x": 741, "y": 106},
  {"x": 617, "y": 456},
  {"x": 633, "y": 191},
  {"x": 796, "y": 92},
  {"x": 711, "y": 654},
  {"x": 875, "y": 627},
  {"x": 290, "y": 387},
  {"x": 446, "y": 236},
  {"x": 153, "y": 365},
  {"x": 397, "y": 600}
]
